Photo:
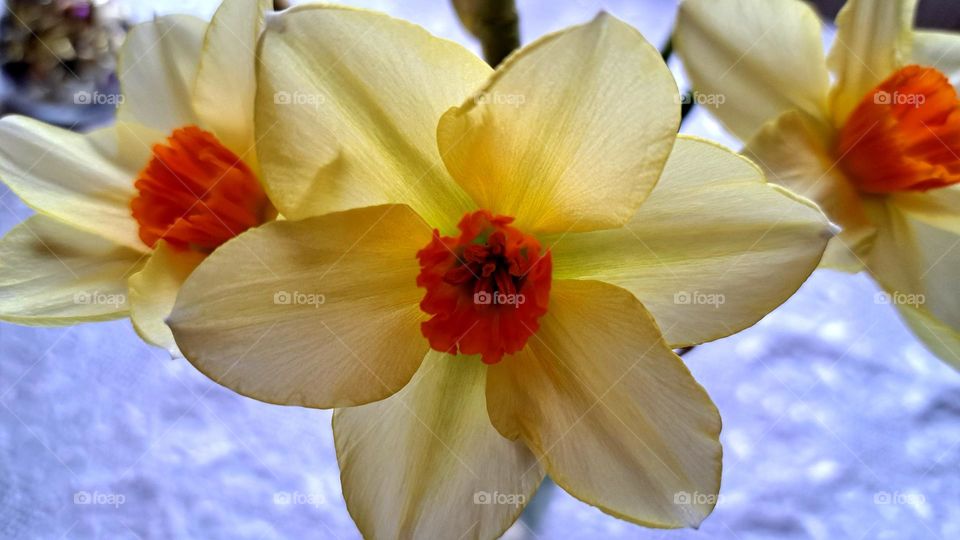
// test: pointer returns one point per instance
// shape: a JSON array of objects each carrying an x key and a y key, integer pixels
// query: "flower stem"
[{"x": 495, "y": 23}]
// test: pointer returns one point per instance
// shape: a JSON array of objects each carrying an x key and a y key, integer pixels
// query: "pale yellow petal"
[
  {"x": 755, "y": 59},
  {"x": 347, "y": 111},
  {"x": 322, "y": 312},
  {"x": 571, "y": 133},
  {"x": 610, "y": 410},
  {"x": 427, "y": 463},
  {"x": 713, "y": 249},
  {"x": 157, "y": 68},
  {"x": 52, "y": 274},
  {"x": 153, "y": 291},
  {"x": 78, "y": 179},
  {"x": 915, "y": 257},
  {"x": 940, "y": 50},
  {"x": 226, "y": 84},
  {"x": 873, "y": 40},
  {"x": 792, "y": 152}
]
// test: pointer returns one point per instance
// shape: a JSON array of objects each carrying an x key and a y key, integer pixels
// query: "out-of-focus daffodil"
[
  {"x": 494, "y": 290},
  {"x": 877, "y": 145},
  {"x": 126, "y": 212}
]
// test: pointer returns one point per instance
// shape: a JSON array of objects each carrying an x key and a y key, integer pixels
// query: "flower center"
[
  {"x": 486, "y": 288},
  {"x": 196, "y": 194},
  {"x": 904, "y": 135}
]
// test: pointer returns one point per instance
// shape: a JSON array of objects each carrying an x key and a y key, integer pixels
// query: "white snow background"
[{"x": 837, "y": 422}]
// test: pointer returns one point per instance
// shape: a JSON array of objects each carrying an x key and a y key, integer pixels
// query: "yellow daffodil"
[
  {"x": 494, "y": 291},
  {"x": 124, "y": 213},
  {"x": 877, "y": 144}
]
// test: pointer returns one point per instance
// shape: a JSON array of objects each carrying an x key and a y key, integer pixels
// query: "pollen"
[
  {"x": 196, "y": 194},
  {"x": 904, "y": 135},
  {"x": 486, "y": 289}
]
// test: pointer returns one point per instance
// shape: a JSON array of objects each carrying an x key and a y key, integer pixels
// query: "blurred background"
[{"x": 837, "y": 422}]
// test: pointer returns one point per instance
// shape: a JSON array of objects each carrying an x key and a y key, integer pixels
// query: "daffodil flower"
[
  {"x": 877, "y": 144},
  {"x": 125, "y": 213},
  {"x": 494, "y": 291}
]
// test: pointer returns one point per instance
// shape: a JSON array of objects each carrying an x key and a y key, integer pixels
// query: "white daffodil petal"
[
  {"x": 873, "y": 40},
  {"x": 75, "y": 178},
  {"x": 153, "y": 291},
  {"x": 792, "y": 153},
  {"x": 431, "y": 447},
  {"x": 940, "y": 50},
  {"x": 226, "y": 85},
  {"x": 755, "y": 58},
  {"x": 347, "y": 126},
  {"x": 567, "y": 152},
  {"x": 52, "y": 274},
  {"x": 915, "y": 257},
  {"x": 610, "y": 410},
  {"x": 713, "y": 249},
  {"x": 157, "y": 68},
  {"x": 322, "y": 312}
]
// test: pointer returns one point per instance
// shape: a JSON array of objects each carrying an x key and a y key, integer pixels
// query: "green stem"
[{"x": 495, "y": 23}]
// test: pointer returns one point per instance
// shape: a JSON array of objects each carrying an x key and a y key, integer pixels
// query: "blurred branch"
[
  {"x": 279, "y": 5},
  {"x": 494, "y": 22},
  {"x": 684, "y": 350}
]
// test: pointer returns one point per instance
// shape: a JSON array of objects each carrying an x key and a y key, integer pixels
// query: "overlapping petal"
[
  {"x": 610, "y": 410},
  {"x": 52, "y": 274},
  {"x": 427, "y": 463},
  {"x": 873, "y": 40},
  {"x": 321, "y": 312},
  {"x": 347, "y": 111},
  {"x": 157, "y": 68},
  {"x": 915, "y": 256},
  {"x": 940, "y": 50},
  {"x": 153, "y": 291},
  {"x": 226, "y": 84},
  {"x": 78, "y": 179},
  {"x": 700, "y": 251},
  {"x": 765, "y": 57},
  {"x": 792, "y": 152},
  {"x": 570, "y": 133}
]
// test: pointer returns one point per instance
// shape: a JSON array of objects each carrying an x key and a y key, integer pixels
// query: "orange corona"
[
  {"x": 486, "y": 288},
  {"x": 904, "y": 135},
  {"x": 196, "y": 194}
]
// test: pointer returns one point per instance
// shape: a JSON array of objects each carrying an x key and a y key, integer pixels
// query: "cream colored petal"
[
  {"x": 793, "y": 152},
  {"x": 322, "y": 312},
  {"x": 610, "y": 410},
  {"x": 157, "y": 68},
  {"x": 940, "y": 50},
  {"x": 226, "y": 85},
  {"x": 915, "y": 258},
  {"x": 571, "y": 133},
  {"x": 756, "y": 59},
  {"x": 427, "y": 463},
  {"x": 713, "y": 249},
  {"x": 873, "y": 40},
  {"x": 75, "y": 178},
  {"x": 153, "y": 291},
  {"x": 53, "y": 274},
  {"x": 347, "y": 112}
]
